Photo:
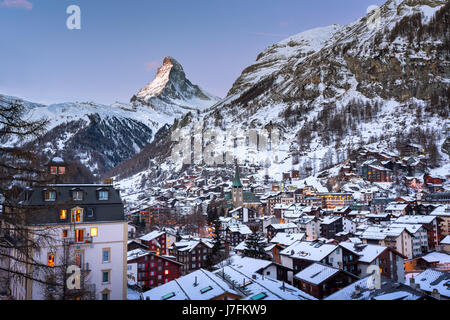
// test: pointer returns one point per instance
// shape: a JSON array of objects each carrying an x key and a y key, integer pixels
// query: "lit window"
[
  {"x": 166, "y": 272},
  {"x": 79, "y": 235},
  {"x": 94, "y": 232},
  {"x": 54, "y": 170},
  {"x": 76, "y": 215},
  {"x": 64, "y": 233},
  {"x": 61, "y": 170},
  {"x": 63, "y": 214},
  {"x": 51, "y": 260}
]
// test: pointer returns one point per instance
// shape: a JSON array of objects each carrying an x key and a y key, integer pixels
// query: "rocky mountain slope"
[
  {"x": 172, "y": 93},
  {"x": 331, "y": 90},
  {"x": 102, "y": 136}
]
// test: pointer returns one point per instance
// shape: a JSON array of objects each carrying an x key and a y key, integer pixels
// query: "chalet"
[
  {"x": 434, "y": 184},
  {"x": 398, "y": 238},
  {"x": 273, "y": 229},
  {"x": 443, "y": 213},
  {"x": 430, "y": 224},
  {"x": 153, "y": 270},
  {"x": 310, "y": 225},
  {"x": 396, "y": 209},
  {"x": 356, "y": 258},
  {"x": 155, "y": 241},
  {"x": 192, "y": 254},
  {"x": 374, "y": 171},
  {"x": 302, "y": 254},
  {"x": 330, "y": 225},
  {"x": 320, "y": 280},
  {"x": 237, "y": 233}
]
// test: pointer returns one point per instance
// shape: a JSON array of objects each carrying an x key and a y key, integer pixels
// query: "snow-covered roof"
[
  {"x": 313, "y": 251},
  {"x": 364, "y": 289},
  {"x": 443, "y": 210},
  {"x": 329, "y": 219},
  {"x": 282, "y": 226},
  {"x": 240, "y": 228},
  {"x": 366, "y": 252},
  {"x": 396, "y": 207},
  {"x": 152, "y": 235},
  {"x": 198, "y": 285},
  {"x": 245, "y": 264},
  {"x": 415, "y": 219},
  {"x": 136, "y": 253},
  {"x": 286, "y": 239},
  {"x": 432, "y": 279},
  {"x": 437, "y": 257},
  {"x": 446, "y": 240},
  {"x": 316, "y": 273},
  {"x": 260, "y": 287}
]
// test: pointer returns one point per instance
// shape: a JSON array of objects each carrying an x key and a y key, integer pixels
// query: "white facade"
[{"x": 104, "y": 253}]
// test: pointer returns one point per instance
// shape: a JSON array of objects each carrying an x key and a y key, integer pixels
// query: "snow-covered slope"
[
  {"x": 102, "y": 136},
  {"x": 332, "y": 90}
]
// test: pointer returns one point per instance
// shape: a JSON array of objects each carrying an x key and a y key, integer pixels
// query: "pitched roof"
[
  {"x": 316, "y": 273},
  {"x": 432, "y": 279},
  {"x": 198, "y": 285}
]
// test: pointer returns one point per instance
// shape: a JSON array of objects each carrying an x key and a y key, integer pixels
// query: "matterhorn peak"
[{"x": 171, "y": 87}]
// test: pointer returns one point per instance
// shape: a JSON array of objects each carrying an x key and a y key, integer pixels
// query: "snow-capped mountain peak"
[{"x": 171, "y": 92}]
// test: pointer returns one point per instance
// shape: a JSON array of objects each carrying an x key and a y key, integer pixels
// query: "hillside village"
[
  {"x": 389, "y": 211},
  {"x": 355, "y": 206}
]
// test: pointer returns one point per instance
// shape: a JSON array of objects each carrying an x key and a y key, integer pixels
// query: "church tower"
[{"x": 237, "y": 191}]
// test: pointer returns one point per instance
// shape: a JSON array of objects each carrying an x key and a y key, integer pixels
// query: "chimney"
[
  {"x": 196, "y": 282},
  {"x": 436, "y": 294}
]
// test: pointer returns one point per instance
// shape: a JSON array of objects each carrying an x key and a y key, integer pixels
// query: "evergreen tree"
[
  {"x": 255, "y": 246},
  {"x": 218, "y": 251}
]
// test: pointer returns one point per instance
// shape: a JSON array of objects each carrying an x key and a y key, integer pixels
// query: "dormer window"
[
  {"x": 103, "y": 195},
  {"x": 77, "y": 215},
  {"x": 77, "y": 195},
  {"x": 50, "y": 195}
]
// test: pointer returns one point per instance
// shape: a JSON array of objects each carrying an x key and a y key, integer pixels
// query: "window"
[
  {"x": 65, "y": 233},
  {"x": 61, "y": 170},
  {"x": 54, "y": 170},
  {"x": 105, "y": 277},
  {"x": 103, "y": 195},
  {"x": 106, "y": 255},
  {"x": 166, "y": 272},
  {"x": 63, "y": 214},
  {"x": 105, "y": 296},
  {"x": 79, "y": 235},
  {"x": 260, "y": 296},
  {"x": 94, "y": 232},
  {"x": 205, "y": 290},
  {"x": 50, "y": 195},
  {"x": 51, "y": 260},
  {"x": 77, "y": 215},
  {"x": 90, "y": 212},
  {"x": 77, "y": 195},
  {"x": 79, "y": 258},
  {"x": 168, "y": 296}
]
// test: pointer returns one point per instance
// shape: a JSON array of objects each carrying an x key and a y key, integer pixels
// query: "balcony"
[{"x": 75, "y": 241}]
